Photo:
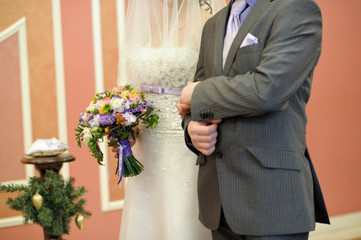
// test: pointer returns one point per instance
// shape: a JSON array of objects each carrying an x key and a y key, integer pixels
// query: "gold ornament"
[
  {"x": 79, "y": 220},
  {"x": 37, "y": 201}
]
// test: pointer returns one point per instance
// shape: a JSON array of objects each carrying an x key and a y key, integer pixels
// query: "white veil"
[{"x": 163, "y": 23}]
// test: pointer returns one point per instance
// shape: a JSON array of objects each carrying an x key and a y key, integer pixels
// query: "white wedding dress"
[{"x": 160, "y": 48}]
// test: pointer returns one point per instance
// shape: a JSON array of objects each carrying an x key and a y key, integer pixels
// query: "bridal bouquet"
[{"x": 114, "y": 114}]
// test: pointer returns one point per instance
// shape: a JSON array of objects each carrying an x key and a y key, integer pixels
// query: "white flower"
[
  {"x": 94, "y": 122},
  {"x": 84, "y": 117},
  {"x": 127, "y": 105},
  {"x": 117, "y": 104},
  {"x": 130, "y": 118},
  {"x": 86, "y": 135},
  {"x": 91, "y": 107}
]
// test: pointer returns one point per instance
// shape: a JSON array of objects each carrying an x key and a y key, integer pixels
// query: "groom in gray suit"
[{"x": 244, "y": 116}]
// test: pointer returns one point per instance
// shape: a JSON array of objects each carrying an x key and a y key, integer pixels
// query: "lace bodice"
[
  {"x": 166, "y": 66},
  {"x": 160, "y": 46}
]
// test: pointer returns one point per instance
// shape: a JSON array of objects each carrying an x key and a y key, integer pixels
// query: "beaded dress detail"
[{"x": 169, "y": 67}]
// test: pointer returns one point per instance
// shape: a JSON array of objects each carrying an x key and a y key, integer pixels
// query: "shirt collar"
[{"x": 249, "y": 2}]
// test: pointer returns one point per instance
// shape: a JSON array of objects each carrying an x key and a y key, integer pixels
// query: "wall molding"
[
  {"x": 106, "y": 204},
  {"x": 19, "y": 27},
  {"x": 98, "y": 50},
  {"x": 60, "y": 79},
  {"x": 11, "y": 221},
  {"x": 343, "y": 227},
  {"x": 120, "y": 28}
]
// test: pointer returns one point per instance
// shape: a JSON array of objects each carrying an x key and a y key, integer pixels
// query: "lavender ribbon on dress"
[
  {"x": 124, "y": 151},
  {"x": 153, "y": 88}
]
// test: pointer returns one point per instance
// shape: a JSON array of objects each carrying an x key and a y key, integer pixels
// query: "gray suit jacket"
[{"x": 261, "y": 173}]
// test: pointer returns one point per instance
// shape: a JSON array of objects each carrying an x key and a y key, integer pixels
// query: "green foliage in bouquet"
[
  {"x": 60, "y": 202},
  {"x": 115, "y": 114}
]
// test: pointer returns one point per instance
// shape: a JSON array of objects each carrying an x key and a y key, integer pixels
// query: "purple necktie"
[{"x": 233, "y": 26}]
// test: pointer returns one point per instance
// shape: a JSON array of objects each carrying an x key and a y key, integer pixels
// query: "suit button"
[
  {"x": 206, "y": 115},
  {"x": 219, "y": 155}
]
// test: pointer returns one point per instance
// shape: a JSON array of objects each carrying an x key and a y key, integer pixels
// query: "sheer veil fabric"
[
  {"x": 154, "y": 23},
  {"x": 160, "y": 46},
  {"x": 162, "y": 24}
]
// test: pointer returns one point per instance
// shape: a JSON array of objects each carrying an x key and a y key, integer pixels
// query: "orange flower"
[
  {"x": 120, "y": 119},
  {"x": 107, "y": 130}
]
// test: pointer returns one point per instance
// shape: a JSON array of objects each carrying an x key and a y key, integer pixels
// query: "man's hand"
[
  {"x": 183, "y": 109},
  {"x": 186, "y": 95},
  {"x": 204, "y": 134}
]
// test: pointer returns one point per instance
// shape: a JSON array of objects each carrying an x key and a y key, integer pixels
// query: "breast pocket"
[{"x": 247, "y": 59}]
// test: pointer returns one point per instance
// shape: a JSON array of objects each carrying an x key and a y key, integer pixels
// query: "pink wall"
[
  {"x": 80, "y": 88},
  {"x": 9, "y": 70},
  {"x": 334, "y": 113},
  {"x": 334, "y": 110}
]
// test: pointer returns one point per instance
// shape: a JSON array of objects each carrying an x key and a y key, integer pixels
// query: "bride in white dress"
[{"x": 158, "y": 56}]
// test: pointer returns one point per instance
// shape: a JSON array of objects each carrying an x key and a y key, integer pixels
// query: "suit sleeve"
[
  {"x": 289, "y": 56},
  {"x": 199, "y": 76}
]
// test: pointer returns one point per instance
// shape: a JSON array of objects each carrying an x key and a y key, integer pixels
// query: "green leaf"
[
  {"x": 152, "y": 121},
  {"x": 128, "y": 87}
]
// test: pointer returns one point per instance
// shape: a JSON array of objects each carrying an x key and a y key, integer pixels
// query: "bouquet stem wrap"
[
  {"x": 128, "y": 165},
  {"x": 124, "y": 151}
]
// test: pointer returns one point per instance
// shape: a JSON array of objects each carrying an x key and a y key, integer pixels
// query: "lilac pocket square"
[{"x": 249, "y": 40}]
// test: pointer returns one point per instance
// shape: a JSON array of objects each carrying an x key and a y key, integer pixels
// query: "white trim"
[
  {"x": 120, "y": 27},
  {"x": 120, "y": 22},
  {"x": 113, "y": 205},
  {"x": 16, "y": 182},
  {"x": 11, "y": 221},
  {"x": 25, "y": 92},
  {"x": 106, "y": 204},
  {"x": 104, "y": 181},
  {"x": 343, "y": 227},
  {"x": 60, "y": 79},
  {"x": 97, "y": 40},
  {"x": 20, "y": 28}
]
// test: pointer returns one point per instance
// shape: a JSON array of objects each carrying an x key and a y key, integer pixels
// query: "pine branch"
[{"x": 60, "y": 202}]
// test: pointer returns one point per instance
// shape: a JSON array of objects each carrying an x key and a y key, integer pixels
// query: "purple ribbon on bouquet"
[{"x": 124, "y": 151}]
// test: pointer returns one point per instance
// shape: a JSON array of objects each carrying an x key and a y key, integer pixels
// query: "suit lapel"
[
  {"x": 221, "y": 24},
  {"x": 251, "y": 19}
]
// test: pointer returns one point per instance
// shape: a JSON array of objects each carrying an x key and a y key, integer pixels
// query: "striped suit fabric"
[{"x": 261, "y": 174}]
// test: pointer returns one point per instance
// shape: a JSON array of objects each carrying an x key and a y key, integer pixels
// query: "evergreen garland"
[{"x": 60, "y": 202}]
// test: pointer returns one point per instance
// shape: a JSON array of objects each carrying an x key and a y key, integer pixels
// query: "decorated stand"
[{"x": 49, "y": 200}]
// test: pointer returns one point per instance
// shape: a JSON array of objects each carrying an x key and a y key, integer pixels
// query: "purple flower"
[
  {"x": 107, "y": 119},
  {"x": 81, "y": 117},
  {"x": 85, "y": 117}
]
